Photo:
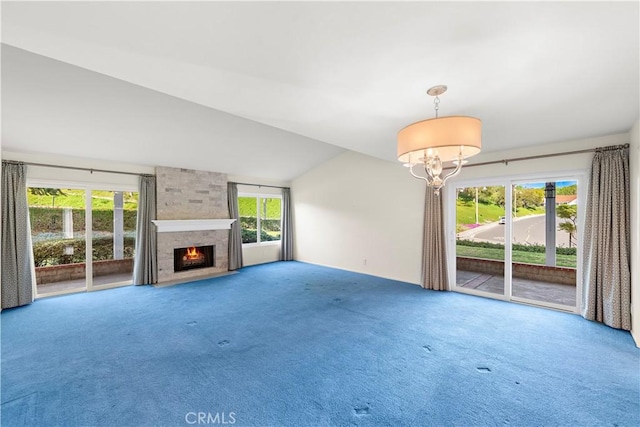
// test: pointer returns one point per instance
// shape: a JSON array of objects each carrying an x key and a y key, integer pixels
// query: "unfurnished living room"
[{"x": 320, "y": 213}]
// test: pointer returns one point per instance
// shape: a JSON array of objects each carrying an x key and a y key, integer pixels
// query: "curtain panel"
[
  {"x": 235, "y": 233},
  {"x": 16, "y": 279},
  {"x": 145, "y": 264},
  {"x": 606, "y": 256},
  {"x": 434, "y": 259},
  {"x": 286, "y": 250}
]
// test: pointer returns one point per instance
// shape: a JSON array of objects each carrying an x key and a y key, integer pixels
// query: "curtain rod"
[
  {"x": 542, "y": 156},
  {"x": 493, "y": 162},
  {"x": 91, "y": 170},
  {"x": 258, "y": 185}
]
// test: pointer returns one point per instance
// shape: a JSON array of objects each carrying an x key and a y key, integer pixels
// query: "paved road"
[{"x": 528, "y": 229}]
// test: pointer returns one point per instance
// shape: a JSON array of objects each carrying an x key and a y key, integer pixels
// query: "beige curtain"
[
  {"x": 434, "y": 260},
  {"x": 16, "y": 280},
  {"x": 145, "y": 263},
  {"x": 607, "y": 262}
]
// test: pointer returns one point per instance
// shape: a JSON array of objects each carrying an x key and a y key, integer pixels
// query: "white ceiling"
[{"x": 353, "y": 74}]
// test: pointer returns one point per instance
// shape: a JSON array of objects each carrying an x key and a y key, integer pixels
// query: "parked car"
[{"x": 502, "y": 220}]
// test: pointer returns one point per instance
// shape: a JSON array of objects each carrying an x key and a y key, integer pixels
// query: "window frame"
[{"x": 258, "y": 197}]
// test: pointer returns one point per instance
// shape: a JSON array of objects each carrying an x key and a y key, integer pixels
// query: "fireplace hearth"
[{"x": 193, "y": 257}]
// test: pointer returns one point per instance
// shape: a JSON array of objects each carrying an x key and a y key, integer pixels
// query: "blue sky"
[{"x": 559, "y": 184}]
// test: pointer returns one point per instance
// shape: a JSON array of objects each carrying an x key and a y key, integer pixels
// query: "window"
[{"x": 262, "y": 213}]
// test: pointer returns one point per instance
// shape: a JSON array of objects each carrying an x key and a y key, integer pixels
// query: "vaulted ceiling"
[{"x": 332, "y": 75}]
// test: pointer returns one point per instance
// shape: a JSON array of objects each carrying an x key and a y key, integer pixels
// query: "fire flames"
[{"x": 192, "y": 253}]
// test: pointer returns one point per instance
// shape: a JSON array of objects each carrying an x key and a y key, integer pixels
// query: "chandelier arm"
[
  {"x": 455, "y": 172},
  {"x": 416, "y": 175}
]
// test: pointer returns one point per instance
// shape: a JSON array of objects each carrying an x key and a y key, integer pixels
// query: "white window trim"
[{"x": 259, "y": 196}]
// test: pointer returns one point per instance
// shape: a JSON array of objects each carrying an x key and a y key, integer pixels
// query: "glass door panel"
[
  {"x": 480, "y": 238},
  {"x": 544, "y": 219},
  {"x": 57, "y": 217},
  {"x": 113, "y": 226}
]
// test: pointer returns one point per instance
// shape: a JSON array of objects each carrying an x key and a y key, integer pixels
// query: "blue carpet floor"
[{"x": 292, "y": 344}]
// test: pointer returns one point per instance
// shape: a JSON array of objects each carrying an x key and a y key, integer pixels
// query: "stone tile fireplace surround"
[{"x": 185, "y": 194}]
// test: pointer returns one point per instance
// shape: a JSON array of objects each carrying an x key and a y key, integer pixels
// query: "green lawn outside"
[
  {"x": 248, "y": 207},
  {"x": 74, "y": 198},
  {"x": 466, "y": 212},
  {"x": 518, "y": 256}
]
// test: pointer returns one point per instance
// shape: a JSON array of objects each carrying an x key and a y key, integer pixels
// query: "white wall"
[
  {"x": 355, "y": 208},
  {"x": 260, "y": 254},
  {"x": 634, "y": 166}
]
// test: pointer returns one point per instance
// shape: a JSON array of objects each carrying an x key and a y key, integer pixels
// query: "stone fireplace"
[{"x": 187, "y": 202}]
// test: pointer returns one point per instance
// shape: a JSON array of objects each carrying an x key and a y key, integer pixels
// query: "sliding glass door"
[
  {"x": 83, "y": 238},
  {"x": 520, "y": 245}
]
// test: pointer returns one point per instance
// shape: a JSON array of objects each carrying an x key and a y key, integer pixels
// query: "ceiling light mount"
[
  {"x": 437, "y": 90},
  {"x": 432, "y": 142}
]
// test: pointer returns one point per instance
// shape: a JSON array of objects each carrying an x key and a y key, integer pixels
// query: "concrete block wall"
[{"x": 191, "y": 194}]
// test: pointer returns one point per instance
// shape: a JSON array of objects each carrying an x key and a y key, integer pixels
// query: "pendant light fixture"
[{"x": 433, "y": 142}]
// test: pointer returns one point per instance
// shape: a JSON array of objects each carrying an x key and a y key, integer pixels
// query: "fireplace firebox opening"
[{"x": 193, "y": 257}]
